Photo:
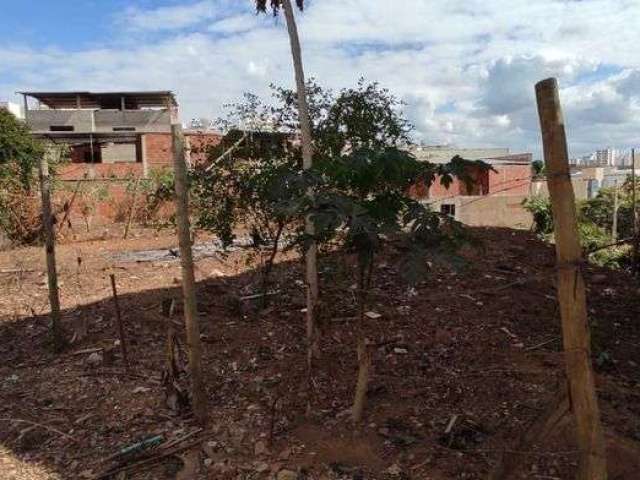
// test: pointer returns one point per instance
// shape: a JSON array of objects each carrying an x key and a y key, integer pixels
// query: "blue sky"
[
  {"x": 465, "y": 68},
  {"x": 37, "y": 22}
]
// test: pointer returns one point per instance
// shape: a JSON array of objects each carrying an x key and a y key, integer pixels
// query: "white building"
[
  {"x": 12, "y": 108},
  {"x": 606, "y": 157}
]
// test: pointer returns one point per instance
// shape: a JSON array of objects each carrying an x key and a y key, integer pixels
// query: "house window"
[
  {"x": 61, "y": 128},
  {"x": 448, "y": 209},
  {"x": 124, "y": 129}
]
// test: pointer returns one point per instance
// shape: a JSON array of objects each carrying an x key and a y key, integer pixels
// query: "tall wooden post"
[
  {"x": 636, "y": 237},
  {"x": 571, "y": 289},
  {"x": 188, "y": 279},
  {"x": 614, "y": 222},
  {"x": 50, "y": 248}
]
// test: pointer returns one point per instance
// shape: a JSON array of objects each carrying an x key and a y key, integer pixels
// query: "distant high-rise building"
[{"x": 606, "y": 157}]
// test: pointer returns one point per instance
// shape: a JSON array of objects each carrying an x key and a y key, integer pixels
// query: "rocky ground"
[{"x": 467, "y": 359}]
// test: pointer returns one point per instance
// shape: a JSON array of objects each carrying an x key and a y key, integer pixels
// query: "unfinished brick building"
[
  {"x": 111, "y": 134},
  {"x": 493, "y": 199}
]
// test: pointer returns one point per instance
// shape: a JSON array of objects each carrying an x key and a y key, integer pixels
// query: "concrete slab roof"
[{"x": 133, "y": 99}]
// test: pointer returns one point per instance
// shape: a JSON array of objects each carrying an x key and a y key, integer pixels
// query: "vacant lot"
[{"x": 475, "y": 348}]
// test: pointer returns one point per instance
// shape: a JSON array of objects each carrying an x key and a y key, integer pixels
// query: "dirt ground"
[{"x": 475, "y": 348}]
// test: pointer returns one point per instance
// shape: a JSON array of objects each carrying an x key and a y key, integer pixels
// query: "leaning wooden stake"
[
  {"x": 188, "y": 278},
  {"x": 571, "y": 289},
  {"x": 59, "y": 340},
  {"x": 123, "y": 340},
  {"x": 548, "y": 422}
]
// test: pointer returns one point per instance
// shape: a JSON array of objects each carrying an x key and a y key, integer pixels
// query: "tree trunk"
[
  {"x": 132, "y": 209},
  {"x": 268, "y": 267},
  {"x": 188, "y": 279},
  {"x": 307, "y": 162},
  {"x": 50, "y": 246},
  {"x": 363, "y": 348},
  {"x": 571, "y": 289}
]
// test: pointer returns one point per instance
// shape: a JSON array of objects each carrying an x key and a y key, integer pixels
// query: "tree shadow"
[{"x": 441, "y": 351}]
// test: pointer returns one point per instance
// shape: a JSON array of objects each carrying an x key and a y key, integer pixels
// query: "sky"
[{"x": 466, "y": 69}]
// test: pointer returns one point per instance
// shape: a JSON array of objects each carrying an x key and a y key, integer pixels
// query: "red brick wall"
[
  {"x": 158, "y": 150},
  {"x": 78, "y": 171},
  {"x": 510, "y": 180},
  {"x": 199, "y": 143},
  {"x": 506, "y": 180}
]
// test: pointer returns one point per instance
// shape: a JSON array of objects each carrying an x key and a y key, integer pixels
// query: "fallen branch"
[
  {"x": 12, "y": 271},
  {"x": 176, "y": 441},
  {"x": 604, "y": 247},
  {"x": 88, "y": 350},
  {"x": 36, "y": 424},
  {"x": 542, "y": 344},
  {"x": 70, "y": 205},
  {"x": 258, "y": 295},
  {"x": 148, "y": 461}
]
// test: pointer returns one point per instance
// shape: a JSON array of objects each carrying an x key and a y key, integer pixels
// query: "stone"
[
  {"x": 285, "y": 454},
  {"x": 260, "y": 448},
  {"x": 94, "y": 359},
  {"x": 287, "y": 475},
  {"x": 394, "y": 470}
]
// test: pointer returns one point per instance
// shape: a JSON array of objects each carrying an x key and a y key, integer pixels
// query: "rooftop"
[{"x": 105, "y": 100}]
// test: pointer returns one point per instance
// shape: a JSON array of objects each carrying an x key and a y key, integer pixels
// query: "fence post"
[
  {"x": 132, "y": 209},
  {"x": 188, "y": 278},
  {"x": 636, "y": 237},
  {"x": 614, "y": 221},
  {"x": 121, "y": 333},
  {"x": 50, "y": 249},
  {"x": 571, "y": 289}
]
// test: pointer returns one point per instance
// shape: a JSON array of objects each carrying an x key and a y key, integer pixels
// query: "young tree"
[
  {"x": 361, "y": 176},
  {"x": 307, "y": 157},
  {"x": 19, "y": 157},
  {"x": 363, "y": 199}
]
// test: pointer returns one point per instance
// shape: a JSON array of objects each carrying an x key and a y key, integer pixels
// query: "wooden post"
[
  {"x": 636, "y": 237},
  {"x": 188, "y": 278},
  {"x": 50, "y": 248},
  {"x": 614, "y": 222},
  {"x": 123, "y": 343},
  {"x": 571, "y": 288},
  {"x": 132, "y": 209}
]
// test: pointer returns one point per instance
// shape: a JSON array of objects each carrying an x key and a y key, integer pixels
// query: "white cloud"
[
  {"x": 173, "y": 17},
  {"x": 466, "y": 68}
]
